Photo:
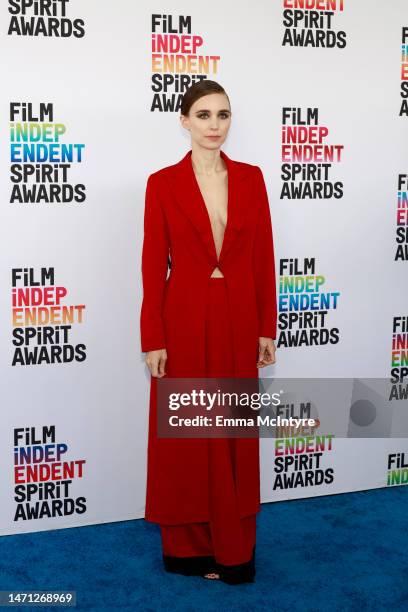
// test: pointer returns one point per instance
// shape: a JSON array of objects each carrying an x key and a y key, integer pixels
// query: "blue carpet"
[{"x": 341, "y": 552}]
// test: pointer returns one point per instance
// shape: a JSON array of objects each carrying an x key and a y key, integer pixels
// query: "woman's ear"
[{"x": 184, "y": 122}]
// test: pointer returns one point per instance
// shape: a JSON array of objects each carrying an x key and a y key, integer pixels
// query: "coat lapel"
[{"x": 190, "y": 201}]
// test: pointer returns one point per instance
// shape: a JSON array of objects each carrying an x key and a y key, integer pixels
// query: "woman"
[{"x": 207, "y": 218}]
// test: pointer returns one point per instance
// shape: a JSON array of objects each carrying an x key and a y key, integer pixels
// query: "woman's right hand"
[{"x": 156, "y": 361}]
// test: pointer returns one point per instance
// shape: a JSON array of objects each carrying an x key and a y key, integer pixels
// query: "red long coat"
[{"x": 177, "y": 224}]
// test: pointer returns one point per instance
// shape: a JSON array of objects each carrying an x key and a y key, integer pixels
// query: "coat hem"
[{"x": 205, "y": 518}]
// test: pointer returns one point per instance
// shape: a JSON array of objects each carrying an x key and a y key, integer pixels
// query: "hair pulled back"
[{"x": 197, "y": 91}]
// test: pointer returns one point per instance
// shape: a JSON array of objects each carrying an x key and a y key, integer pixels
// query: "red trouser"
[{"x": 226, "y": 544}]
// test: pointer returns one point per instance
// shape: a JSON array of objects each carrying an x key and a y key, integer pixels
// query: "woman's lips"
[{"x": 213, "y": 137}]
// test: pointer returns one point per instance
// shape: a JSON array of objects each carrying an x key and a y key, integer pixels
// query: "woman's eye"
[{"x": 205, "y": 115}]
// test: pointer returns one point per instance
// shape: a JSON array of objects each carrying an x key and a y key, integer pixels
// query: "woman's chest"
[{"x": 214, "y": 193}]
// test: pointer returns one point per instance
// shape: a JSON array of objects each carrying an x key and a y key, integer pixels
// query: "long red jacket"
[{"x": 177, "y": 230}]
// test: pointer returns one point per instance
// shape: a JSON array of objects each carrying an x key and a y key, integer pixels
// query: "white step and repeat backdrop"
[{"x": 89, "y": 108}]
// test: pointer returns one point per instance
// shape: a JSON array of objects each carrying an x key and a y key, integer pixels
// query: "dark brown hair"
[{"x": 197, "y": 91}]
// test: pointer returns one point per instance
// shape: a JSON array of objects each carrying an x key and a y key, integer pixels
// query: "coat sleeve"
[
  {"x": 264, "y": 262},
  {"x": 155, "y": 254}
]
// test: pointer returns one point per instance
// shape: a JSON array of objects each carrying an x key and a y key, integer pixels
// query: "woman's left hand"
[{"x": 266, "y": 352}]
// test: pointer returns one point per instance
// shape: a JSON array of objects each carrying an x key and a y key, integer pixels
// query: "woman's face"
[{"x": 210, "y": 115}]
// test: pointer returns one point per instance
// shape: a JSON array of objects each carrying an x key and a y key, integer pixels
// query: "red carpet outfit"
[{"x": 205, "y": 492}]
